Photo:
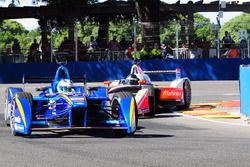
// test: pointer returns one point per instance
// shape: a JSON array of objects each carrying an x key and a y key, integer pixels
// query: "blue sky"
[{"x": 32, "y": 23}]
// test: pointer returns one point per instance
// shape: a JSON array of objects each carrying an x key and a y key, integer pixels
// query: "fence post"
[
  {"x": 76, "y": 43},
  {"x": 51, "y": 44},
  {"x": 248, "y": 47},
  {"x": 177, "y": 39}
]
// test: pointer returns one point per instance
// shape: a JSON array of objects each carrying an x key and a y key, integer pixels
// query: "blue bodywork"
[{"x": 80, "y": 109}]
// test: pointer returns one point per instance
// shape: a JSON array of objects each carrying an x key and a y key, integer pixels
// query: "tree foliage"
[
  {"x": 10, "y": 30},
  {"x": 234, "y": 25},
  {"x": 202, "y": 28}
]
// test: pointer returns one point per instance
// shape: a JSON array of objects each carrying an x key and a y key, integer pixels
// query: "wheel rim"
[
  {"x": 12, "y": 117},
  {"x": 115, "y": 109},
  {"x": 5, "y": 109}
]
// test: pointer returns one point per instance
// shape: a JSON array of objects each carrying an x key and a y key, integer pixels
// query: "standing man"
[{"x": 226, "y": 40}]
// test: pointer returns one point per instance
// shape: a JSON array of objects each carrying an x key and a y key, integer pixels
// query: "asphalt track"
[{"x": 168, "y": 140}]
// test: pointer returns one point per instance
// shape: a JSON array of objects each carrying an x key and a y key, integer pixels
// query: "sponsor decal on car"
[
  {"x": 171, "y": 93},
  {"x": 19, "y": 127},
  {"x": 21, "y": 111},
  {"x": 142, "y": 101},
  {"x": 18, "y": 119},
  {"x": 78, "y": 99}
]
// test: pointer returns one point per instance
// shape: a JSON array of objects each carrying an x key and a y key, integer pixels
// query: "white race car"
[{"x": 150, "y": 97}]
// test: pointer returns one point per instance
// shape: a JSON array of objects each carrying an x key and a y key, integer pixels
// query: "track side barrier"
[
  {"x": 245, "y": 90},
  {"x": 99, "y": 71}
]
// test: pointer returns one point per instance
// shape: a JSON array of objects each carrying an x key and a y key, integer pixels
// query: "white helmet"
[{"x": 65, "y": 85}]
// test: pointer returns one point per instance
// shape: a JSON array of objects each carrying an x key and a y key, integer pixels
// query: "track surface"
[{"x": 169, "y": 139}]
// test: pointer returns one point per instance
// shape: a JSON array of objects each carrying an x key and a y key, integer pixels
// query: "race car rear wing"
[
  {"x": 177, "y": 72},
  {"x": 35, "y": 79},
  {"x": 49, "y": 79}
]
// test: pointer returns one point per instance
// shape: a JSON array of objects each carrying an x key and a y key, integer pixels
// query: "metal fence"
[
  {"x": 176, "y": 53},
  {"x": 186, "y": 53}
]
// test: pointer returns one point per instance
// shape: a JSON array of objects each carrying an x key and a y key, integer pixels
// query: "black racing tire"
[
  {"x": 7, "y": 122},
  {"x": 187, "y": 93},
  {"x": 151, "y": 103},
  {"x": 115, "y": 111},
  {"x": 24, "y": 95}
]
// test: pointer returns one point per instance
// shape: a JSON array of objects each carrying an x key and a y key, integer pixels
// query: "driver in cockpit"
[
  {"x": 132, "y": 79},
  {"x": 65, "y": 86}
]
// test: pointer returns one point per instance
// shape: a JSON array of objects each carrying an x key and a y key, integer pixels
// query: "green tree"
[
  {"x": 167, "y": 32},
  {"x": 10, "y": 30},
  {"x": 234, "y": 25},
  {"x": 202, "y": 27}
]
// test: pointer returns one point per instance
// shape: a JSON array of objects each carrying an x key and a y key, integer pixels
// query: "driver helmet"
[
  {"x": 64, "y": 86},
  {"x": 132, "y": 79}
]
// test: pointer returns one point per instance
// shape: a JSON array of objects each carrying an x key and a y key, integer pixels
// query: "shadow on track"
[
  {"x": 93, "y": 134},
  {"x": 162, "y": 115}
]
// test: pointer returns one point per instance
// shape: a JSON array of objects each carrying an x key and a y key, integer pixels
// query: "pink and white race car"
[{"x": 149, "y": 97}]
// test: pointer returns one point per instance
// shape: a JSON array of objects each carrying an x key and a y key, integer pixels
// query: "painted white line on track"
[
  {"x": 215, "y": 121},
  {"x": 231, "y": 94}
]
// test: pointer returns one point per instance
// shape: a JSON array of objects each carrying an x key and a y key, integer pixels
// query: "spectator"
[
  {"x": 47, "y": 53},
  {"x": 123, "y": 43},
  {"x": 81, "y": 46},
  {"x": 93, "y": 45},
  {"x": 164, "y": 49},
  {"x": 243, "y": 43},
  {"x": 156, "y": 51},
  {"x": 169, "y": 52},
  {"x": 183, "y": 50},
  {"x": 8, "y": 49},
  {"x": 66, "y": 45},
  {"x": 199, "y": 45},
  {"x": 129, "y": 51},
  {"x": 193, "y": 50},
  {"x": 226, "y": 40},
  {"x": 205, "y": 48},
  {"x": 34, "y": 46},
  {"x": 143, "y": 52},
  {"x": 136, "y": 55},
  {"x": 114, "y": 45},
  {"x": 233, "y": 52},
  {"x": 16, "y": 47},
  {"x": 33, "y": 52}
]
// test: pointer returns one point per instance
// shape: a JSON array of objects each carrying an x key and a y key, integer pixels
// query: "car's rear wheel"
[
  {"x": 151, "y": 103},
  {"x": 187, "y": 95}
]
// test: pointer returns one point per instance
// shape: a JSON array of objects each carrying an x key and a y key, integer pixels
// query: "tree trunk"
[
  {"x": 102, "y": 39},
  {"x": 148, "y": 12}
]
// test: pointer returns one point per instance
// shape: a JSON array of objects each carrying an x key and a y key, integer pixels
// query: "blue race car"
[{"x": 65, "y": 106}]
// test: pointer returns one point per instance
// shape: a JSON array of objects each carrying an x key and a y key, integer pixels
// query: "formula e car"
[
  {"x": 150, "y": 97},
  {"x": 65, "y": 106}
]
